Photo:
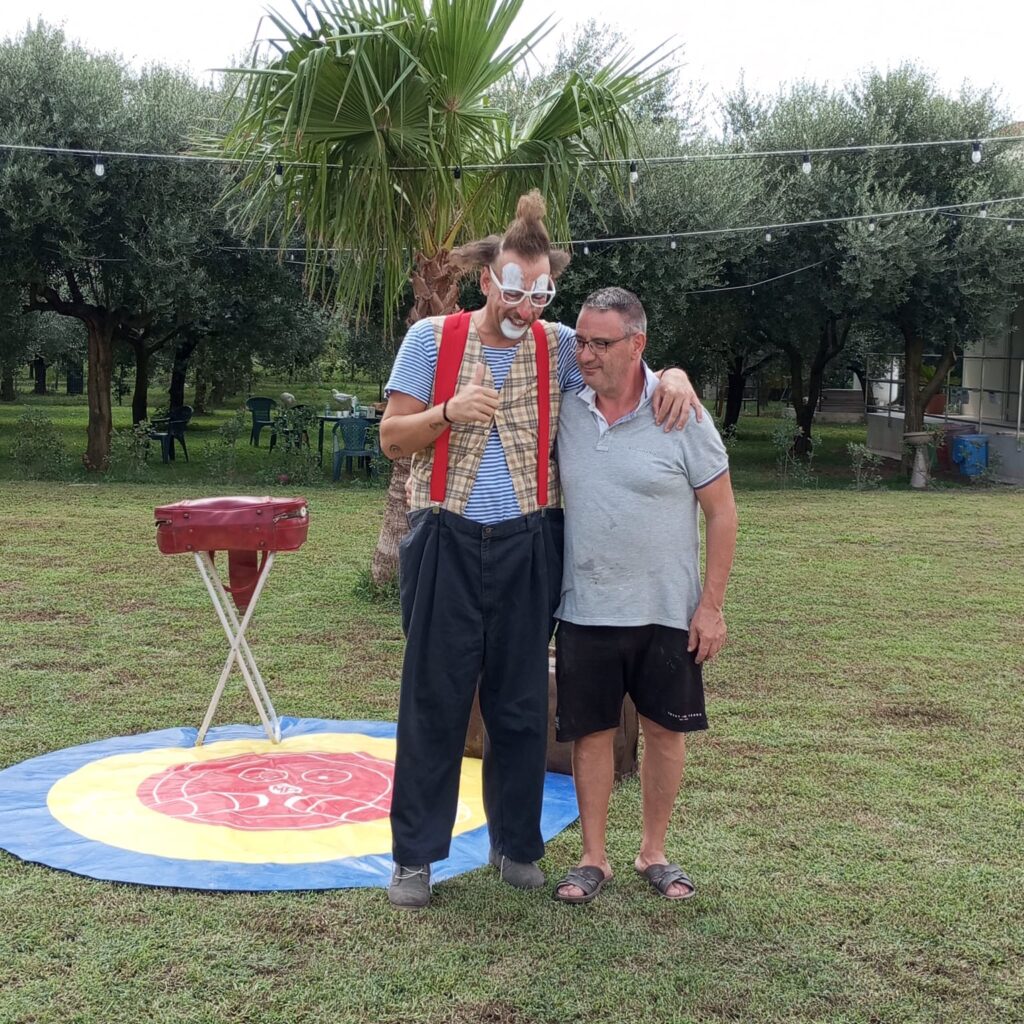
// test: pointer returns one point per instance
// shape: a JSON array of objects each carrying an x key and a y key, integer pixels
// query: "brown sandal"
[
  {"x": 588, "y": 878},
  {"x": 663, "y": 876}
]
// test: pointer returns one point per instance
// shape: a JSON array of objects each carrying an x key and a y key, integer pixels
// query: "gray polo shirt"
[{"x": 632, "y": 537}]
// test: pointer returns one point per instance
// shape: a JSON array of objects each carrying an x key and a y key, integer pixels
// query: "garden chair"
[
  {"x": 261, "y": 416},
  {"x": 351, "y": 441},
  {"x": 170, "y": 428}
]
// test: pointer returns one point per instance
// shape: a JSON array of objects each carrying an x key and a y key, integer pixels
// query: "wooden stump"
[{"x": 560, "y": 754}]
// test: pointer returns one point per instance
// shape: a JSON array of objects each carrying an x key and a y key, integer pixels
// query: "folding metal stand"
[{"x": 240, "y": 652}]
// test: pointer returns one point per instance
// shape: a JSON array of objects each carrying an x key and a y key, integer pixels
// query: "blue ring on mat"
[{"x": 30, "y": 831}]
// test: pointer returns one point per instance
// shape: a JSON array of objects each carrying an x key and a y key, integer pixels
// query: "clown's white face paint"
[
  {"x": 510, "y": 285},
  {"x": 511, "y": 325},
  {"x": 511, "y": 330},
  {"x": 512, "y": 276}
]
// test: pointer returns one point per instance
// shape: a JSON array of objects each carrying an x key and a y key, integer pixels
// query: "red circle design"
[{"x": 264, "y": 792}]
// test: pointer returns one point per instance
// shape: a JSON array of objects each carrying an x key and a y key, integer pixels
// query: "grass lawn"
[{"x": 852, "y": 819}]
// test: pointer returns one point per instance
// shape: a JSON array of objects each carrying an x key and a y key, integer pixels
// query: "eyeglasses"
[
  {"x": 514, "y": 296},
  {"x": 598, "y": 345}
]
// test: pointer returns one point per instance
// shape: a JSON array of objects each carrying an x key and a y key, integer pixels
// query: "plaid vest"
[{"x": 516, "y": 420}]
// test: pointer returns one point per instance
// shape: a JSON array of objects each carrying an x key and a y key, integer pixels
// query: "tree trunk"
[
  {"x": 182, "y": 354},
  {"x": 737, "y": 382},
  {"x": 802, "y": 442},
  {"x": 916, "y": 397},
  {"x": 7, "y": 389},
  {"x": 39, "y": 371},
  {"x": 140, "y": 396},
  {"x": 435, "y": 285},
  {"x": 101, "y": 365},
  {"x": 913, "y": 407},
  {"x": 202, "y": 384},
  {"x": 384, "y": 566}
]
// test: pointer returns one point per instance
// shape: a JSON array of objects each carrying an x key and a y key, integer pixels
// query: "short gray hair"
[{"x": 621, "y": 301}]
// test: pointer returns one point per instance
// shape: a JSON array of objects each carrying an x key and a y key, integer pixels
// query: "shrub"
[
  {"x": 38, "y": 451},
  {"x": 791, "y": 469},
  {"x": 867, "y": 467},
  {"x": 128, "y": 450},
  {"x": 222, "y": 458}
]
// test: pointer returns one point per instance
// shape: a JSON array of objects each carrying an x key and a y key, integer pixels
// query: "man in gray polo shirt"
[{"x": 626, "y": 625}]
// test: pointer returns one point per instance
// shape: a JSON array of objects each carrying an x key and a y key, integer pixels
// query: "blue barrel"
[{"x": 970, "y": 453}]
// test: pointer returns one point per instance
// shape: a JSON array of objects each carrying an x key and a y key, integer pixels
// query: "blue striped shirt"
[{"x": 493, "y": 498}]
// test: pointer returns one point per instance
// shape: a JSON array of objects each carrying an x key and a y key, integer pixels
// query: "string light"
[
  {"x": 99, "y": 168},
  {"x": 457, "y": 172},
  {"x": 752, "y": 285},
  {"x": 634, "y": 174},
  {"x": 738, "y": 154},
  {"x": 279, "y": 174},
  {"x": 975, "y": 152},
  {"x": 820, "y": 222},
  {"x": 871, "y": 224},
  {"x": 672, "y": 244},
  {"x": 673, "y": 236},
  {"x": 983, "y": 212},
  {"x": 767, "y": 236}
]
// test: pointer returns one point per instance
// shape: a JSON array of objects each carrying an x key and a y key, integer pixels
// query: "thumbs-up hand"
[{"x": 475, "y": 402}]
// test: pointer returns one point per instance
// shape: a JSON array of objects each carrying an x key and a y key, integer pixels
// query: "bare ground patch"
[{"x": 917, "y": 716}]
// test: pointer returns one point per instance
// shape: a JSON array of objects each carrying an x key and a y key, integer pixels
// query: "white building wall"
[{"x": 998, "y": 376}]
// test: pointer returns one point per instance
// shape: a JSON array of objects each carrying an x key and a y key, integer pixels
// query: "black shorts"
[{"x": 597, "y": 666}]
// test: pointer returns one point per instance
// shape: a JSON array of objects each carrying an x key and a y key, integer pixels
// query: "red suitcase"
[
  {"x": 232, "y": 524},
  {"x": 242, "y": 526}
]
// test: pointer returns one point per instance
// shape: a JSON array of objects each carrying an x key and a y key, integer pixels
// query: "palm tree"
[{"x": 371, "y": 135}]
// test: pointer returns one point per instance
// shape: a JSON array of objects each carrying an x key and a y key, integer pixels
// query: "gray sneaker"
[
  {"x": 410, "y": 886},
  {"x": 522, "y": 876}
]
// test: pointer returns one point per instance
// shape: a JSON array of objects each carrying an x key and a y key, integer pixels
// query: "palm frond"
[{"x": 370, "y": 105}]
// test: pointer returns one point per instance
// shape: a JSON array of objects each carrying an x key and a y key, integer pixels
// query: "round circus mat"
[{"x": 239, "y": 812}]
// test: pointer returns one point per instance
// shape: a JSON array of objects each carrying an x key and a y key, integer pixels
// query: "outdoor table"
[
  {"x": 252, "y": 531},
  {"x": 334, "y": 417}
]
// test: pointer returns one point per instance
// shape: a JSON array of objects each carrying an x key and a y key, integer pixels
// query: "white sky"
[{"x": 771, "y": 43}]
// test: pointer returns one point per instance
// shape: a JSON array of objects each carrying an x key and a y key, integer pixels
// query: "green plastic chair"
[
  {"x": 171, "y": 428},
  {"x": 352, "y": 441},
  {"x": 261, "y": 409}
]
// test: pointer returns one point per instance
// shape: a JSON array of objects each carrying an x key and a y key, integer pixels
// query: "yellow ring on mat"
[{"x": 99, "y": 801}]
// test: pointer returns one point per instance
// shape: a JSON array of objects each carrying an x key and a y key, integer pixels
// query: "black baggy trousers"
[{"x": 478, "y": 605}]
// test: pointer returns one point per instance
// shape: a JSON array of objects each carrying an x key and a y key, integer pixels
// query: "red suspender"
[
  {"x": 449, "y": 360},
  {"x": 540, "y": 337}
]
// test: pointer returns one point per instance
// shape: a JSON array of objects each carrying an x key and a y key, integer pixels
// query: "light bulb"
[
  {"x": 767, "y": 236},
  {"x": 586, "y": 250},
  {"x": 871, "y": 224},
  {"x": 975, "y": 152},
  {"x": 634, "y": 174},
  {"x": 279, "y": 174},
  {"x": 672, "y": 244},
  {"x": 99, "y": 168},
  {"x": 805, "y": 166},
  {"x": 457, "y": 172},
  {"x": 1009, "y": 225},
  {"x": 983, "y": 212}
]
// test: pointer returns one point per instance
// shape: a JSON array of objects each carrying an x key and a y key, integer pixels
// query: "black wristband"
[{"x": 444, "y": 411}]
